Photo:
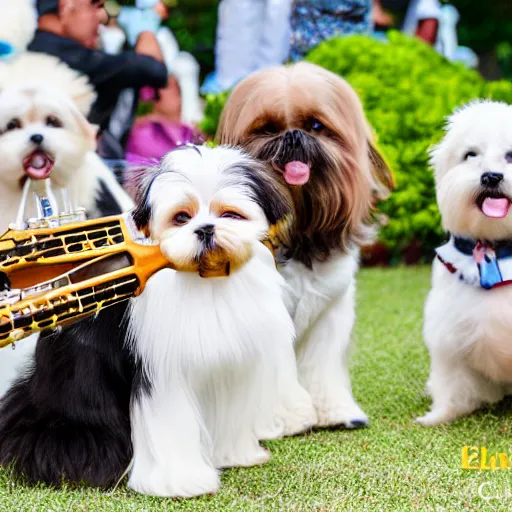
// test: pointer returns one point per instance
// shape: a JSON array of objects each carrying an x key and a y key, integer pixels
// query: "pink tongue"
[
  {"x": 296, "y": 173},
  {"x": 38, "y": 166},
  {"x": 497, "y": 208}
]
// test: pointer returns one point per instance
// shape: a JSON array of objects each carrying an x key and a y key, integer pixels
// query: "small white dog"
[
  {"x": 468, "y": 313},
  {"x": 43, "y": 136},
  {"x": 211, "y": 350}
]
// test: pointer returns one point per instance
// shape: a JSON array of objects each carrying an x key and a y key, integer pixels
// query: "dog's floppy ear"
[
  {"x": 141, "y": 214},
  {"x": 140, "y": 179},
  {"x": 381, "y": 171},
  {"x": 272, "y": 197},
  {"x": 95, "y": 128},
  {"x": 89, "y": 130},
  {"x": 268, "y": 192}
]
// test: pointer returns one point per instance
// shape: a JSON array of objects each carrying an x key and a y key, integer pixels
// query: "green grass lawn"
[{"x": 392, "y": 465}]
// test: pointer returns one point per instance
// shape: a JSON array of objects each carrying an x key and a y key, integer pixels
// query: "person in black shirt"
[{"x": 68, "y": 29}]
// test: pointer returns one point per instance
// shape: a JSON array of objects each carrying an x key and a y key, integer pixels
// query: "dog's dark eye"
[
  {"x": 267, "y": 129},
  {"x": 317, "y": 126},
  {"x": 233, "y": 215},
  {"x": 470, "y": 154},
  {"x": 508, "y": 157},
  {"x": 181, "y": 218},
  {"x": 53, "y": 121},
  {"x": 13, "y": 124},
  {"x": 314, "y": 125}
]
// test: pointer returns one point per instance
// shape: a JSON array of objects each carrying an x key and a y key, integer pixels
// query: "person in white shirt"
[
  {"x": 422, "y": 20},
  {"x": 251, "y": 34}
]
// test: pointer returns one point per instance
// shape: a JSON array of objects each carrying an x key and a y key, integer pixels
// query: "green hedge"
[{"x": 407, "y": 90}]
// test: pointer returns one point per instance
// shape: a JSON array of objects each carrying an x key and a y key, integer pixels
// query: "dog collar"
[{"x": 478, "y": 263}]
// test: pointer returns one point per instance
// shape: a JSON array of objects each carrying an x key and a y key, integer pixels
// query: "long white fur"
[
  {"x": 211, "y": 347},
  {"x": 30, "y": 70},
  {"x": 468, "y": 330},
  {"x": 322, "y": 304}
]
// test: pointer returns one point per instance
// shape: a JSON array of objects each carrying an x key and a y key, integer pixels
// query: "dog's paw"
[
  {"x": 271, "y": 430},
  {"x": 348, "y": 416},
  {"x": 437, "y": 417},
  {"x": 242, "y": 459},
  {"x": 200, "y": 481},
  {"x": 182, "y": 482},
  {"x": 301, "y": 418}
]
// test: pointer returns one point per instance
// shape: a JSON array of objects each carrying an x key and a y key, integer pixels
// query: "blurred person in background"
[
  {"x": 160, "y": 129},
  {"x": 150, "y": 15},
  {"x": 381, "y": 18},
  {"x": 422, "y": 20},
  {"x": 314, "y": 21},
  {"x": 251, "y": 35},
  {"x": 416, "y": 18},
  {"x": 69, "y": 30},
  {"x": 112, "y": 36}
]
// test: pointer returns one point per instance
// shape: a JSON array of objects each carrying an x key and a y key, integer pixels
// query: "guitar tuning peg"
[{"x": 52, "y": 208}]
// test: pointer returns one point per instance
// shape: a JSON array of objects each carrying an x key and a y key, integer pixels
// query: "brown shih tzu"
[{"x": 308, "y": 125}]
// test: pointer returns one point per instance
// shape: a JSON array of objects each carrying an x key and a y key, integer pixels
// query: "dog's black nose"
[
  {"x": 491, "y": 179},
  {"x": 205, "y": 233},
  {"x": 37, "y": 138},
  {"x": 292, "y": 138}
]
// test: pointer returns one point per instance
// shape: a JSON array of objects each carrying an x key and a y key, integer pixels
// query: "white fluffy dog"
[
  {"x": 43, "y": 136},
  {"x": 209, "y": 348},
  {"x": 468, "y": 313}
]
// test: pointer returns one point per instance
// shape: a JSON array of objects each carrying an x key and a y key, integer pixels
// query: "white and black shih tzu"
[
  {"x": 467, "y": 324},
  {"x": 193, "y": 361},
  {"x": 307, "y": 125},
  {"x": 209, "y": 346}
]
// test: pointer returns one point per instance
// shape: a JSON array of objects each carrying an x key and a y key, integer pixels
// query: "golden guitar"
[
  {"x": 62, "y": 274},
  {"x": 64, "y": 268}
]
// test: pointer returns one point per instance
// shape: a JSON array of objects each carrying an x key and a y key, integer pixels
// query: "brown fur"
[{"x": 332, "y": 210}]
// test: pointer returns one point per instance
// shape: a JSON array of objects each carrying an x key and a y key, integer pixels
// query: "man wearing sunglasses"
[{"x": 69, "y": 30}]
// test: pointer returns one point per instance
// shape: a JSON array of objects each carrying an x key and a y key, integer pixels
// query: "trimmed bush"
[
  {"x": 407, "y": 90},
  {"x": 214, "y": 103}
]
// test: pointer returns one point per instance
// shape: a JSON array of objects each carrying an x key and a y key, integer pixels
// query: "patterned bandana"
[{"x": 478, "y": 263}]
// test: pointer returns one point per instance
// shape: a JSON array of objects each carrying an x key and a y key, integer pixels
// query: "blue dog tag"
[{"x": 490, "y": 274}]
